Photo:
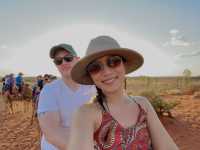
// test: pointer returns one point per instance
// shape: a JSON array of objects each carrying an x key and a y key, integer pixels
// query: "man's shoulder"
[
  {"x": 89, "y": 87},
  {"x": 52, "y": 85}
]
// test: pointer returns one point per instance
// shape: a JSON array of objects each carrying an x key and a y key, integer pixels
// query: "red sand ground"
[
  {"x": 185, "y": 128},
  {"x": 16, "y": 133}
]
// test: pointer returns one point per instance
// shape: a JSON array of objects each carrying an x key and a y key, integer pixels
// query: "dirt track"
[{"x": 16, "y": 133}]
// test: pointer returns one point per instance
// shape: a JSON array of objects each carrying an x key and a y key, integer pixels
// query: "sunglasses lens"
[
  {"x": 68, "y": 58},
  {"x": 114, "y": 61},
  {"x": 59, "y": 61},
  {"x": 93, "y": 68}
]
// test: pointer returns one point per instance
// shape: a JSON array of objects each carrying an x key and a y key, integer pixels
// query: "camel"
[{"x": 16, "y": 101}]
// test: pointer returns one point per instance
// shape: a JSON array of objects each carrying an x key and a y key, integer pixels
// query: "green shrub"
[{"x": 162, "y": 107}]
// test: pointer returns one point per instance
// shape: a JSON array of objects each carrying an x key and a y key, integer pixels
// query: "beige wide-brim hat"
[{"x": 103, "y": 46}]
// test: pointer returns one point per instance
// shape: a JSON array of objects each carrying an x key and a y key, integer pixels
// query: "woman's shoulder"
[{"x": 142, "y": 101}]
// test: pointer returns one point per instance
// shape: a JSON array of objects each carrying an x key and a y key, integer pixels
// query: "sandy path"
[{"x": 16, "y": 133}]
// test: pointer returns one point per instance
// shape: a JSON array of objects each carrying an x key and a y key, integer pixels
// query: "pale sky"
[{"x": 166, "y": 33}]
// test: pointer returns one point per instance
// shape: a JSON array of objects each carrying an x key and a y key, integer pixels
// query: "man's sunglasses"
[
  {"x": 112, "y": 62},
  {"x": 67, "y": 58}
]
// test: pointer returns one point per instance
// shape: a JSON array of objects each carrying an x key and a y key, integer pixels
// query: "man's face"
[{"x": 65, "y": 62}]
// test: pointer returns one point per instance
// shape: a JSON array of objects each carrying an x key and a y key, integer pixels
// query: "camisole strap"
[
  {"x": 142, "y": 112},
  {"x": 133, "y": 99}
]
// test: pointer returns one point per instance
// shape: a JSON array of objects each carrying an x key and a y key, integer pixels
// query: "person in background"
[
  {"x": 40, "y": 81},
  {"x": 59, "y": 99},
  {"x": 9, "y": 83},
  {"x": 19, "y": 82},
  {"x": 46, "y": 79},
  {"x": 114, "y": 120},
  {"x": 3, "y": 84},
  {"x": 35, "y": 95}
]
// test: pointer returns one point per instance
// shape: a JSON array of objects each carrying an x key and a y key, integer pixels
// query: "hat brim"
[{"x": 134, "y": 60}]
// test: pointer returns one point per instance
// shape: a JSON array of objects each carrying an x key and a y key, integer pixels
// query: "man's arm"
[{"x": 51, "y": 127}]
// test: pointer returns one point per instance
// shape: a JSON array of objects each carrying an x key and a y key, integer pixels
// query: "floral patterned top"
[{"x": 113, "y": 136}]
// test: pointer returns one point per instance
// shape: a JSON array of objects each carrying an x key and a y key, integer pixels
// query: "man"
[
  {"x": 40, "y": 81},
  {"x": 59, "y": 99},
  {"x": 9, "y": 83},
  {"x": 46, "y": 78},
  {"x": 3, "y": 85},
  {"x": 19, "y": 82}
]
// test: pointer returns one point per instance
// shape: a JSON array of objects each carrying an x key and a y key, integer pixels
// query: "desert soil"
[{"x": 16, "y": 132}]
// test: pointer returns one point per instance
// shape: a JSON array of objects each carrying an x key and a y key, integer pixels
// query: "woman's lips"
[{"x": 109, "y": 80}]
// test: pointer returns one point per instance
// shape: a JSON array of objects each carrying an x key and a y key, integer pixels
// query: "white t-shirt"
[{"x": 57, "y": 96}]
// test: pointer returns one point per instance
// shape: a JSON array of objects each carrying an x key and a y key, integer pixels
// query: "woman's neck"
[{"x": 116, "y": 97}]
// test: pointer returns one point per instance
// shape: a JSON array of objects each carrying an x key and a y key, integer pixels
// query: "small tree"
[
  {"x": 186, "y": 77},
  {"x": 187, "y": 73}
]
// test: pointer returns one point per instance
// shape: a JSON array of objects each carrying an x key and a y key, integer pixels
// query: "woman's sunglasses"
[
  {"x": 112, "y": 62},
  {"x": 67, "y": 58}
]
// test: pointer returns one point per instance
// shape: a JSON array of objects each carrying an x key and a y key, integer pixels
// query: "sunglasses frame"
[
  {"x": 67, "y": 58},
  {"x": 110, "y": 62}
]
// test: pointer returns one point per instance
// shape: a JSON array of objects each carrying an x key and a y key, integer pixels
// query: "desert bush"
[{"x": 162, "y": 107}]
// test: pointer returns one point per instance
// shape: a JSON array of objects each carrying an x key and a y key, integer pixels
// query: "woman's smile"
[{"x": 110, "y": 80}]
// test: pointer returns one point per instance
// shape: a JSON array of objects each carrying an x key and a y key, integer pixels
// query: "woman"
[{"x": 114, "y": 120}]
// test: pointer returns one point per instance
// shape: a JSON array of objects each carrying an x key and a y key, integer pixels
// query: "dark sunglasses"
[
  {"x": 67, "y": 58},
  {"x": 112, "y": 62}
]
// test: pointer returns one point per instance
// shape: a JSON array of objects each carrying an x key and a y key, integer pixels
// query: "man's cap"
[{"x": 60, "y": 47}]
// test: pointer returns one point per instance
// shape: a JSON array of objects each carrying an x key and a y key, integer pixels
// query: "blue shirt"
[{"x": 19, "y": 80}]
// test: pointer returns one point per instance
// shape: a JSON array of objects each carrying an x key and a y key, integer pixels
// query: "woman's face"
[{"x": 108, "y": 73}]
